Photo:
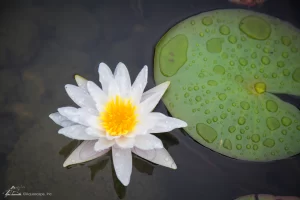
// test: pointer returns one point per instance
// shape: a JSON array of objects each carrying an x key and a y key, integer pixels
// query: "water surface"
[{"x": 44, "y": 43}]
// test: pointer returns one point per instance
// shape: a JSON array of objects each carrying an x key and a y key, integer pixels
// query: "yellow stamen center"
[{"x": 119, "y": 117}]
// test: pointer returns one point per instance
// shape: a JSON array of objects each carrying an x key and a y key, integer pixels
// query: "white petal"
[
  {"x": 113, "y": 89},
  {"x": 92, "y": 111},
  {"x": 61, "y": 120},
  {"x": 149, "y": 104},
  {"x": 78, "y": 115},
  {"x": 83, "y": 153},
  {"x": 81, "y": 82},
  {"x": 139, "y": 130},
  {"x": 125, "y": 142},
  {"x": 147, "y": 142},
  {"x": 95, "y": 132},
  {"x": 67, "y": 123},
  {"x": 157, "y": 156},
  {"x": 97, "y": 94},
  {"x": 69, "y": 112},
  {"x": 123, "y": 79},
  {"x": 109, "y": 137},
  {"x": 161, "y": 88},
  {"x": 139, "y": 85},
  {"x": 105, "y": 76},
  {"x": 76, "y": 132},
  {"x": 122, "y": 160},
  {"x": 142, "y": 127},
  {"x": 103, "y": 143},
  {"x": 80, "y": 96},
  {"x": 94, "y": 122},
  {"x": 164, "y": 123}
]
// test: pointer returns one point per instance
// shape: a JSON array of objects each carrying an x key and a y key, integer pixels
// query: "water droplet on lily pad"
[
  {"x": 206, "y": 132},
  {"x": 214, "y": 45},
  {"x": 222, "y": 96},
  {"x": 269, "y": 142},
  {"x": 286, "y": 40},
  {"x": 255, "y": 138},
  {"x": 265, "y": 60},
  {"x": 224, "y": 30},
  {"x": 227, "y": 144},
  {"x": 218, "y": 69},
  {"x": 242, "y": 120},
  {"x": 231, "y": 129},
  {"x": 228, "y": 100},
  {"x": 232, "y": 39},
  {"x": 243, "y": 61},
  {"x": 271, "y": 106},
  {"x": 280, "y": 64},
  {"x": 296, "y": 75},
  {"x": 171, "y": 54},
  {"x": 255, "y": 27},
  {"x": 286, "y": 121},
  {"x": 245, "y": 105},
  {"x": 207, "y": 21}
]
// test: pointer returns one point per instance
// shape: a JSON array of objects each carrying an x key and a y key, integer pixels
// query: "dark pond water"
[{"x": 44, "y": 43}]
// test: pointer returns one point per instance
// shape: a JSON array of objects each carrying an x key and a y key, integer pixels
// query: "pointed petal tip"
[
  {"x": 125, "y": 182},
  {"x": 102, "y": 64},
  {"x": 184, "y": 124},
  {"x": 89, "y": 83},
  {"x": 60, "y": 110},
  {"x": 146, "y": 68},
  {"x": 121, "y": 63},
  {"x": 67, "y": 86},
  {"x": 52, "y": 117},
  {"x": 79, "y": 79},
  {"x": 174, "y": 166},
  {"x": 181, "y": 123},
  {"x": 76, "y": 76},
  {"x": 60, "y": 131},
  {"x": 158, "y": 145},
  {"x": 166, "y": 85},
  {"x": 66, "y": 164}
]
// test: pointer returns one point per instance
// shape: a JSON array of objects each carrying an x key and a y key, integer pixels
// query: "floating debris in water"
[
  {"x": 266, "y": 197},
  {"x": 249, "y": 3}
]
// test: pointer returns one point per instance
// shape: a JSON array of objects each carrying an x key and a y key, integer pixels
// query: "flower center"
[{"x": 119, "y": 117}]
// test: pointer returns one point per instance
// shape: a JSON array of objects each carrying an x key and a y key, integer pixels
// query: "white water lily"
[{"x": 119, "y": 117}]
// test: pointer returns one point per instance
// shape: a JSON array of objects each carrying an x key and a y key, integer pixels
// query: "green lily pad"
[{"x": 224, "y": 67}]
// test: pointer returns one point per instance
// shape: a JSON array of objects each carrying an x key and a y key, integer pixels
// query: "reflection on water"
[
  {"x": 44, "y": 43},
  {"x": 95, "y": 166}
]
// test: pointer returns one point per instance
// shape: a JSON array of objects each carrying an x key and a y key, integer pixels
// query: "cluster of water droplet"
[{"x": 222, "y": 71}]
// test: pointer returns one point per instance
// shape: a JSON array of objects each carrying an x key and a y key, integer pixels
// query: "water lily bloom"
[{"x": 117, "y": 116}]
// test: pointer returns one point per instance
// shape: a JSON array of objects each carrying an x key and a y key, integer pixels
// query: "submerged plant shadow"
[{"x": 96, "y": 165}]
